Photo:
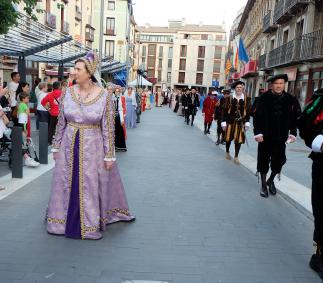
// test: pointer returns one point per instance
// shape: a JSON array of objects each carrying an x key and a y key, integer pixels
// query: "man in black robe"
[
  {"x": 310, "y": 127},
  {"x": 274, "y": 127}
]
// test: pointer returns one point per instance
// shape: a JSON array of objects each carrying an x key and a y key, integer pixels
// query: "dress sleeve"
[
  {"x": 60, "y": 128},
  {"x": 108, "y": 129}
]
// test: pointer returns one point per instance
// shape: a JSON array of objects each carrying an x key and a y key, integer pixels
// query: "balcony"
[
  {"x": 268, "y": 23},
  {"x": 262, "y": 62},
  {"x": 65, "y": 28},
  {"x": 286, "y": 9},
  {"x": 235, "y": 76},
  {"x": 89, "y": 36},
  {"x": 78, "y": 13},
  {"x": 249, "y": 70},
  {"x": 50, "y": 20},
  {"x": 292, "y": 6}
]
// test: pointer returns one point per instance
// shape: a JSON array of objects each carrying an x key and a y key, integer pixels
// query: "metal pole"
[
  {"x": 101, "y": 35},
  {"x": 61, "y": 72},
  {"x": 43, "y": 143},
  {"x": 22, "y": 68},
  {"x": 16, "y": 152}
]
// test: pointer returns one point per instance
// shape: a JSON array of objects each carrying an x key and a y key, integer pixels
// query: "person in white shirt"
[
  {"x": 42, "y": 113},
  {"x": 12, "y": 87}
]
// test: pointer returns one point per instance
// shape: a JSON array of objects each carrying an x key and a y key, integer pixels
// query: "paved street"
[{"x": 199, "y": 220}]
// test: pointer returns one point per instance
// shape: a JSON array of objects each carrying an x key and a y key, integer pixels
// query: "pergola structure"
[{"x": 31, "y": 40}]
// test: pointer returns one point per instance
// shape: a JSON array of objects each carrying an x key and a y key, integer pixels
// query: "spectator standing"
[
  {"x": 13, "y": 86},
  {"x": 51, "y": 103}
]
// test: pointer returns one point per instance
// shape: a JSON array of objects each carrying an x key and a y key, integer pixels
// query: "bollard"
[
  {"x": 43, "y": 143},
  {"x": 16, "y": 152}
]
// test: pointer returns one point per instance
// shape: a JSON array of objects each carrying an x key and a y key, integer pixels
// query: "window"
[
  {"x": 201, "y": 52},
  {"x": 111, "y": 5},
  {"x": 151, "y": 73},
  {"x": 216, "y": 76},
  {"x": 285, "y": 36},
  {"x": 218, "y": 52},
  {"x": 200, "y": 65},
  {"x": 169, "y": 77},
  {"x": 183, "y": 52},
  {"x": 159, "y": 76},
  {"x": 144, "y": 50},
  {"x": 182, "y": 64},
  {"x": 160, "y": 63},
  {"x": 170, "y": 63},
  {"x": 161, "y": 49},
  {"x": 219, "y": 37},
  {"x": 216, "y": 67},
  {"x": 170, "y": 52},
  {"x": 109, "y": 48},
  {"x": 204, "y": 36},
  {"x": 181, "y": 77},
  {"x": 110, "y": 26},
  {"x": 272, "y": 44},
  {"x": 152, "y": 49},
  {"x": 151, "y": 62},
  {"x": 199, "y": 78}
]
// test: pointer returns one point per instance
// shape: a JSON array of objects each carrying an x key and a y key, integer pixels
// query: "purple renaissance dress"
[{"x": 85, "y": 197}]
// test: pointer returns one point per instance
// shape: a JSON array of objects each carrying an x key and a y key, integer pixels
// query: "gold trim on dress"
[
  {"x": 56, "y": 220},
  {"x": 83, "y": 126},
  {"x": 92, "y": 101},
  {"x": 72, "y": 159},
  {"x": 81, "y": 182},
  {"x": 110, "y": 128}
]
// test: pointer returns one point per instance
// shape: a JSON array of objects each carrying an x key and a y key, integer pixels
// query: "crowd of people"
[
  {"x": 87, "y": 124},
  {"x": 277, "y": 118}
]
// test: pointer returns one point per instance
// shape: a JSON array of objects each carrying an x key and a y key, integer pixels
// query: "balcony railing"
[
  {"x": 306, "y": 48},
  {"x": 286, "y": 9},
  {"x": 268, "y": 23},
  {"x": 293, "y": 5}
]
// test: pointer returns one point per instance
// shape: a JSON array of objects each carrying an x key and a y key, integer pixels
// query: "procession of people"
[{"x": 91, "y": 121}]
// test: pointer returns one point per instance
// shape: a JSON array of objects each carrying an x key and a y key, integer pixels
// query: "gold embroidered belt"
[{"x": 83, "y": 126}]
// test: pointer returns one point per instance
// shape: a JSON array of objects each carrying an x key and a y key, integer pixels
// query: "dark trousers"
[
  {"x": 271, "y": 153},
  {"x": 43, "y": 116},
  {"x": 52, "y": 128},
  {"x": 219, "y": 129},
  {"x": 317, "y": 197}
]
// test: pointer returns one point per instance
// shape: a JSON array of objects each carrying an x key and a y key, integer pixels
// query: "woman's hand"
[{"x": 108, "y": 165}]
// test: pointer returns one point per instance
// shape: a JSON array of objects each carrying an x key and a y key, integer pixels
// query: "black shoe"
[
  {"x": 272, "y": 188},
  {"x": 317, "y": 265},
  {"x": 264, "y": 192},
  {"x": 208, "y": 132},
  {"x": 205, "y": 132},
  {"x": 217, "y": 142}
]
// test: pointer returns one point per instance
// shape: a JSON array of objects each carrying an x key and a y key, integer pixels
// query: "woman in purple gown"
[{"x": 87, "y": 191}]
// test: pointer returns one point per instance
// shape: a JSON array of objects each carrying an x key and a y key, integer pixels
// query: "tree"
[{"x": 9, "y": 16}]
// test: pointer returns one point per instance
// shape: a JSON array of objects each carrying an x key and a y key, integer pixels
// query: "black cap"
[
  {"x": 227, "y": 90},
  {"x": 235, "y": 84},
  {"x": 278, "y": 77}
]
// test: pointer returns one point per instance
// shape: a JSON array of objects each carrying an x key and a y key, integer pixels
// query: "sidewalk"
[
  {"x": 199, "y": 220},
  {"x": 295, "y": 181}
]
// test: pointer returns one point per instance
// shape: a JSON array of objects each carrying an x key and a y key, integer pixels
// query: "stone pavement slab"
[{"x": 199, "y": 219}]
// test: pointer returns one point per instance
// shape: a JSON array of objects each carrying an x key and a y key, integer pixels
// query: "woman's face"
[
  {"x": 129, "y": 90},
  {"x": 110, "y": 89},
  {"x": 117, "y": 92},
  {"x": 26, "y": 89},
  {"x": 81, "y": 74}
]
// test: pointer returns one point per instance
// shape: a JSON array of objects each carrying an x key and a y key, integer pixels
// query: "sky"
[{"x": 211, "y": 12}]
